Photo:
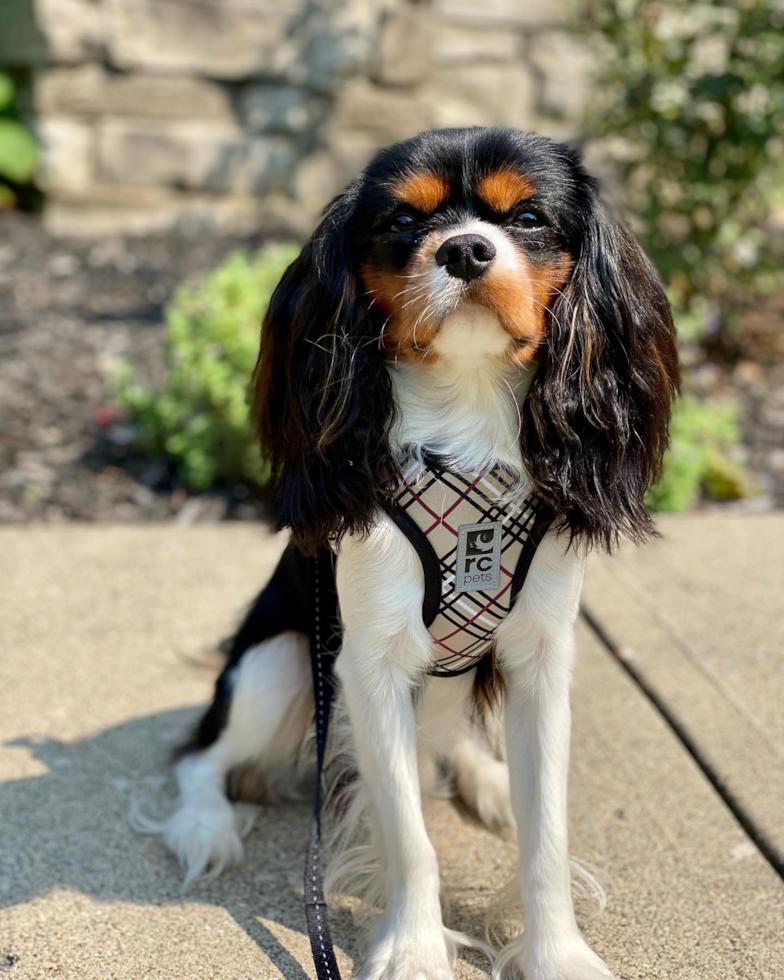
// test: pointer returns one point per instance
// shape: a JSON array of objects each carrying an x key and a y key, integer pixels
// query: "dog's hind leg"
[
  {"x": 259, "y": 717},
  {"x": 482, "y": 782},
  {"x": 270, "y": 709},
  {"x": 268, "y": 716},
  {"x": 449, "y": 729}
]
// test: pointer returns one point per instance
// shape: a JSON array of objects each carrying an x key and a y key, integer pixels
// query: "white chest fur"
[{"x": 465, "y": 403}]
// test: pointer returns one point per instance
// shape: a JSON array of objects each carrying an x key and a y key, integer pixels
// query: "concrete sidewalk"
[
  {"x": 106, "y": 640},
  {"x": 698, "y": 618}
]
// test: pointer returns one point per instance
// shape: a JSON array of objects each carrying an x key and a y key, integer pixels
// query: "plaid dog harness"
[{"x": 476, "y": 539}]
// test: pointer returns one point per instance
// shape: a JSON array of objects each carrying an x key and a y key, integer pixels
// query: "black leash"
[{"x": 325, "y": 637}]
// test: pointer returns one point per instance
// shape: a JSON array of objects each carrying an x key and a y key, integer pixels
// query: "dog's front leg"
[
  {"x": 538, "y": 672},
  {"x": 385, "y": 651},
  {"x": 409, "y": 943}
]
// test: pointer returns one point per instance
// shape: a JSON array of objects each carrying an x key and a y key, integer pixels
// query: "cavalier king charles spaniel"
[{"x": 469, "y": 298}]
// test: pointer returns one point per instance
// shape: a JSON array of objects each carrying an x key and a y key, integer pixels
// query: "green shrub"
[
  {"x": 695, "y": 91},
  {"x": 691, "y": 95},
  {"x": 18, "y": 148},
  {"x": 200, "y": 418},
  {"x": 699, "y": 462}
]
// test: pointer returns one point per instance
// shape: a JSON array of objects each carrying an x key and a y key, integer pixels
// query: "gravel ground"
[{"x": 70, "y": 309}]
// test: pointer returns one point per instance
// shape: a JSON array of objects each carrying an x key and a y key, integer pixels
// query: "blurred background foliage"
[
  {"x": 690, "y": 97},
  {"x": 685, "y": 119},
  {"x": 704, "y": 434},
  {"x": 692, "y": 93},
  {"x": 18, "y": 148}
]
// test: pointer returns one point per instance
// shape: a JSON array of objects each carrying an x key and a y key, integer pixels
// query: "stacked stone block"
[{"x": 247, "y": 113}]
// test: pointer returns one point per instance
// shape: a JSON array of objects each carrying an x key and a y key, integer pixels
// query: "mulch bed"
[{"x": 70, "y": 308}]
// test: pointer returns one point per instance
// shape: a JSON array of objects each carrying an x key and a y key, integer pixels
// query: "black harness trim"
[
  {"x": 427, "y": 556},
  {"x": 543, "y": 521}
]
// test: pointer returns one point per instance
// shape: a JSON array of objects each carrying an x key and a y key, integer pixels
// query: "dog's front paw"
[
  {"x": 408, "y": 953},
  {"x": 573, "y": 961}
]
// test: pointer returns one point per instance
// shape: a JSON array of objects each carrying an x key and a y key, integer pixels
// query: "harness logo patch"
[{"x": 478, "y": 557}]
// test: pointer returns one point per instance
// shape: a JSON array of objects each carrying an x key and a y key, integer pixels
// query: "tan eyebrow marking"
[
  {"x": 504, "y": 188},
  {"x": 424, "y": 191}
]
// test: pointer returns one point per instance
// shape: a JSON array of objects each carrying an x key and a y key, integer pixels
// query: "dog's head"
[{"x": 497, "y": 219}]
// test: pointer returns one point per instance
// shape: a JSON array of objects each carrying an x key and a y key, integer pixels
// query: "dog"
[{"x": 469, "y": 298}]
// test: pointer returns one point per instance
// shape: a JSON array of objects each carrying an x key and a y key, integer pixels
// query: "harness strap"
[
  {"x": 430, "y": 567},
  {"x": 325, "y": 639},
  {"x": 542, "y": 522}
]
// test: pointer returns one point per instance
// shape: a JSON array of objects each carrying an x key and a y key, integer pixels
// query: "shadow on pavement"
[{"x": 67, "y": 828}]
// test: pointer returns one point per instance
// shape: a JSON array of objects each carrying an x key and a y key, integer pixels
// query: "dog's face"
[
  {"x": 505, "y": 233},
  {"x": 438, "y": 228}
]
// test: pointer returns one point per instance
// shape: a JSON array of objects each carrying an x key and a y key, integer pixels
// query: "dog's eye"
[
  {"x": 402, "y": 222},
  {"x": 529, "y": 219}
]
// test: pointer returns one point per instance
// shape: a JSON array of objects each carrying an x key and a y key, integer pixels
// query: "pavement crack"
[{"x": 745, "y": 820}]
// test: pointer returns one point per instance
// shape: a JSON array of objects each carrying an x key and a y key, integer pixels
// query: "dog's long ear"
[
  {"x": 323, "y": 396},
  {"x": 598, "y": 410}
]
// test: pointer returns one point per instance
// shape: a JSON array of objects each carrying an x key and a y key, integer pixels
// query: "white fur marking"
[{"x": 270, "y": 710}]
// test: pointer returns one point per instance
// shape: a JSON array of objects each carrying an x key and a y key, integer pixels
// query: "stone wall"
[{"x": 240, "y": 113}]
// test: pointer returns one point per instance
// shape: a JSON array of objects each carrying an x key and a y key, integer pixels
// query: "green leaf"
[
  {"x": 18, "y": 152},
  {"x": 6, "y": 91}
]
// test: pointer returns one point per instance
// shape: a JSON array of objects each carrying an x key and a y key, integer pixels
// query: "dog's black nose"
[{"x": 466, "y": 256}]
